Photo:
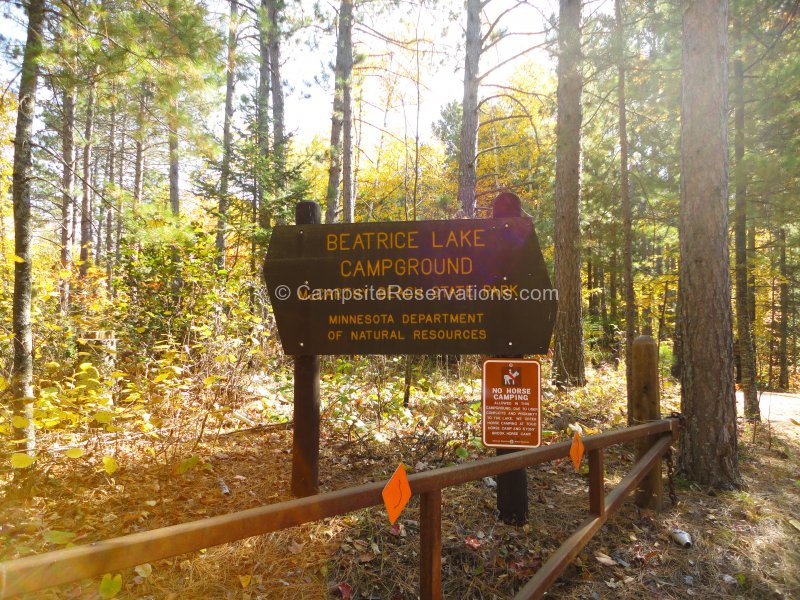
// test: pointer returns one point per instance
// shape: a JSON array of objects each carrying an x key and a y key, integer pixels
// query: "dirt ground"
[{"x": 745, "y": 542}]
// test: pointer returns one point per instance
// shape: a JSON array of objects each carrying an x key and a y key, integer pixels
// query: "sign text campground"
[{"x": 449, "y": 287}]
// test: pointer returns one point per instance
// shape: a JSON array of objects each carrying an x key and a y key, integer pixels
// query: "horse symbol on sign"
[{"x": 511, "y": 376}]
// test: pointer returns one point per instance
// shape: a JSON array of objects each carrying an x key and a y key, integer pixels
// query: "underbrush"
[{"x": 242, "y": 459}]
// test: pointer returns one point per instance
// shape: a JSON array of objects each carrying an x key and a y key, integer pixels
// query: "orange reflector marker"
[
  {"x": 576, "y": 451},
  {"x": 396, "y": 493}
]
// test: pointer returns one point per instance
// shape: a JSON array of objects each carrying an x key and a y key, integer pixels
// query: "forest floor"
[{"x": 745, "y": 541}]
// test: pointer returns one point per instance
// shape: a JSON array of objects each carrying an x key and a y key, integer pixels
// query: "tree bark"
[
  {"x": 262, "y": 100},
  {"x": 174, "y": 161},
  {"x": 22, "y": 368},
  {"x": 612, "y": 278},
  {"x": 772, "y": 326},
  {"x": 68, "y": 191},
  {"x": 467, "y": 174},
  {"x": 590, "y": 278},
  {"x": 568, "y": 361},
  {"x": 276, "y": 86},
  {"x": 751, "y": 272},
  {"x": 108, "y": 190},
  {"x": 627, "y": 212},
  {"x": 86, "y": 198},
  {"x": 709, "y": 439},
  {"x": 138, "y": 167},
  {"x": 348, "y": 201},
  {"x": 118, "y": 207},
  {"x": 230, "y": 82},
  {"x": 341, "y": 96},
  {"x": 744, "y": 328},
  {"x": 101, "y": 210},
  {"x": 783, "y": 335}
]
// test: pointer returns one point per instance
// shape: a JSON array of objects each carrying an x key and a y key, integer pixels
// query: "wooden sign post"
[
  {"x": 512, "y": 487},
  {"x": 305, "y": 424}
]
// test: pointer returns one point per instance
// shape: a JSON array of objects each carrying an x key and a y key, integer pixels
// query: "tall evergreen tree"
[
  {"x": 341, "y": 120},
  {"x": 709, "y": 439},
  {"x": 22, "y": 368},
  {"x": 568, "y": 361},
  {"x": 468, "y": 148}
]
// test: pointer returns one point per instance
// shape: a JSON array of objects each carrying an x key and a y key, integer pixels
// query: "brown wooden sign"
[
  {"x": 476, "y": 286},
  {"x": 511, "y": 407}
]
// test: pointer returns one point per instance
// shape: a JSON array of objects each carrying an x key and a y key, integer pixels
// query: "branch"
[
  {"x": 537, "y": 95},
  {"x": 498, "y": 147},
  {"x": 505, "y": 118},
  {"x": 508, "y": 60},
  {"x": 513, "y": 34},
  {"x": 497, "y": 20},
  {"x": 525, "y": 110},
  {"x": 789, "y": 20},
  {"x": 77, "y": 175}
]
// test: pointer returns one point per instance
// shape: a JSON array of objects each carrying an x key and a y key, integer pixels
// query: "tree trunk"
[
  {"x": 348, "y": 201},
  {"x": 108, "y": 190},
  {"x": 568, "y": 361},
  {"x": 341, "y": 95},
  {"x": 709, "y": 439},
  {"x": 86, "y": 198},
  {"x": 276, "y": 84},
  {"x": 603, "y": 301},
  {"x": 772, "y": 320},
  {"x": 744, "y": 328},
  {"x": 783, "y": 335},
  {"x": 751, "y": 272},
  {"x": 68, "y": 191},
  {"x": 93, "y": 199},
  {"x": 138, "y": 168},
  {"x": 589, "y": 277},
  {"x": 262, "y": 99},
  {"x": 22, "y": 369},
  {"x": 230, "y": 81},
  {"x": 174, "y": 164},
  {"x": 794, "y": 340},
  {"x": 467, "y": 158},
  {"x": 627, "y": 212},
  {"x": 612, "y": 279},
  {"x": 101, "y": 215},
  {"x": 118, "y": 207},
  {"x": 4, "y": 268}
]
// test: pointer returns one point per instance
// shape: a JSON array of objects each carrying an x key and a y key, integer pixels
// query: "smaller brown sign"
[{"x": 511, "y": 403}]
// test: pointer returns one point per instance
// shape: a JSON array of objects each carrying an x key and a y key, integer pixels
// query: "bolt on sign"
[
  {"x": 477, "y": 286},
  {"x": 511, "y": 403}
]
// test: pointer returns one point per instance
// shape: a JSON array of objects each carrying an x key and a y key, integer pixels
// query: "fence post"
[
  {"x": 305, "y": 427},
  {"x": 430, "y": 546},
  {"x": 512, "y": 487},
  {"x": 597, "y": 479},
  {"x": 646, "y": 407}
]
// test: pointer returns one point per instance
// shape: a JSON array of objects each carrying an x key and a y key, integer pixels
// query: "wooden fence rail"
[{"x": 41, "y": 571}]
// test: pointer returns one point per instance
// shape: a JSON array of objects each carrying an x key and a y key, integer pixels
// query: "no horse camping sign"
[{"x": 511, "y": 407}]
